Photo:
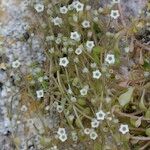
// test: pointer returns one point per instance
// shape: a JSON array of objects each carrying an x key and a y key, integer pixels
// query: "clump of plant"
[{"x": 95, "y": 76}]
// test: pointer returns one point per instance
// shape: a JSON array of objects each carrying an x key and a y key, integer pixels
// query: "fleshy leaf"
[
  {"x": 148, "y": 131},
  {"x": 141, "y": 104},
  {"x": 125, "y": 98},
  {"x": 147, "y": 115}
]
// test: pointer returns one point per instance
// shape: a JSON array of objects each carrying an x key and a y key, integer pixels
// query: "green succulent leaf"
[
  {"x": 147, "y": 131},
  {"x": 126, "y": 97}
]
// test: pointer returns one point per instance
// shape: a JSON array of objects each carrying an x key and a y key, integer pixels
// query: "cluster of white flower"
[
  {"x": 100, "y": 115},
  {"x": 93, "y": 135},
  {"x": 73, "y": 45},
  {"x": 62, "y": 134}
]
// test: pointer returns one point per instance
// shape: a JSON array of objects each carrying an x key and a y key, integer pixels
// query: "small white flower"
[
  {"x": 40, "y": 93},
  {"x": 24, "y": 108},
  {"x": 63, "y": 137},
  {"x": 39, "y": 7},
  {"x": 59, "y": 108},
  {"x": 114, "y": 14},
  {"x": 86, "y": 24},
  {"x": 75, "y": 36},
  {"x": 63, "y": 61},
  {"x": 100, "y": 115},
  {"x": 87, "y": 131},
  {"x": 15, "y": 64},
  {"x": 63, "y": 10},
  {"x": 79, "y": 50},
  {"x": 78, "y": 6},
  {"x": 93, "y": 135},
  {"x": 96, "y": 74},
  {"x": 90, "y": 45},
  {"x": 83, "y": 91},
  {"x": 110, "y": 59},
  {"x": 57, "y": 21},
  {"x": 94, "y": 123},
  {"x": 61, "y": 131},
  {"x": 124, "y": 128}
]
